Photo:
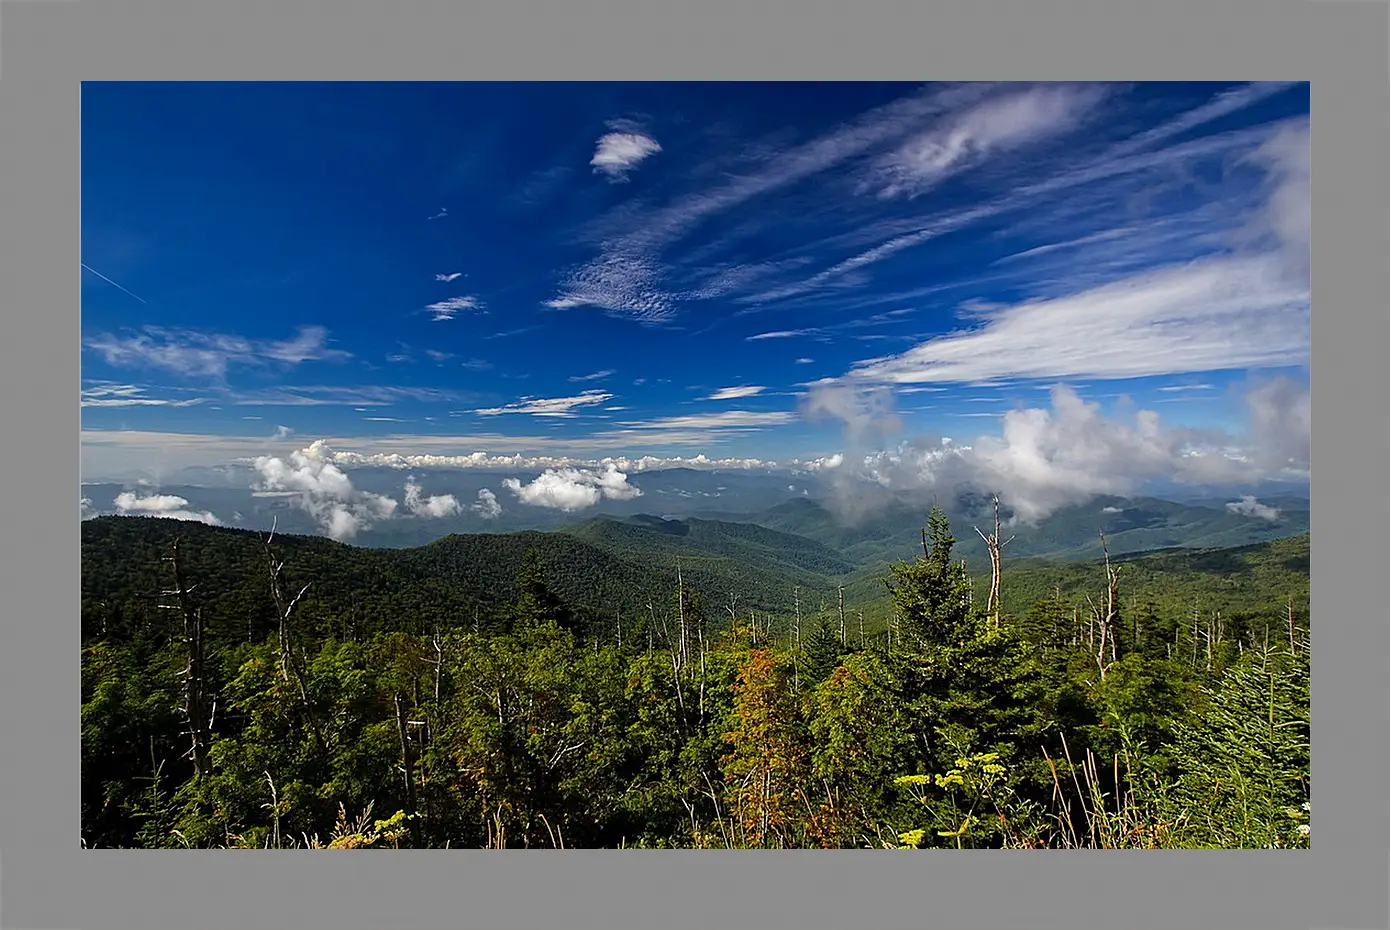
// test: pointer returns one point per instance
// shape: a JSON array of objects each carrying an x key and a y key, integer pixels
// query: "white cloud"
[
  {"x": 627, "y": 278},
  {"x": 1046, "y": 458},
  {"x": 109, "y": 394},
  {"x": 490, "y": 462},
  {"x": 805, "y": 361},
  {"x": 626, "y": 284},
  {"x": 447, "y": 309},
  {"x": 618, "y": 153},
  {"x": 596, "y": 376},
  {"x": 1113, "y": 510},
  {"x": 779, "y": 334},
  {"x": 283, "y": 432},
  {"x": 449, "y": 277},
  {"x": 565, "y": 302},
  {"x": 487, "y": 507},
  {"x": 867, "y": 412},
  {"x": 731, "y": 393},
  {"x": 1280, "y": 418},
  {"x": 549, "y": 407},
  {"x": 437, "y": 356},
  {"x": 319, "y": 395},
  {"x": 1220, "y": 314},
  {"x": 188, "y": 352},
  {"x": 324, "y": 491},
  {"x": 725, "y": 420},
  {"x": 477, "y": 364},
  {"x": 1248, "y": 506},
  {"x": 1226, "y": 102},
  {"x": 168, "y": 506},
  {"x": 444, "y": 505},
  {"x": 998, "y": 123},
  {"x": 571, "y": 489}
]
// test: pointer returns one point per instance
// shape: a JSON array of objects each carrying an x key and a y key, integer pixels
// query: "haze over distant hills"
[{"x": 882, "y": 526}]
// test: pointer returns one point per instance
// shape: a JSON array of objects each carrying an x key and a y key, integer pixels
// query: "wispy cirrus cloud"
[
  {"x": 780, "y": 334},
  {"x": 111, "y": 394},
  {"x": 548, "y": 406},
  {"x": 445, "y": 310},
  {"x": 449, "y": 277},
  {"x": 1227, "y": 311},
  {"x": 731, "y": 393},
  {"x": 513, "y": 332},
  {"x": 1002, "y": 122},
  {"x": 728, "y": 419},
  {"x": 630, "y": 278},
  {"x": 203, "y": 354},
  {"x": 347, "y": 396},
  {"x": 594, "y": 376},
  {"x": 1222, "y": 314}
]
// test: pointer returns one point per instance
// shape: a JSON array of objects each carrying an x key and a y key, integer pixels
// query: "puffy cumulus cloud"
[
  {"x": 571, "y": 489},
  {"x": 169, "y": 506},
  {"x": 866, "y": 411},
  {"x": 1070, "y": 452},
  {"x": 618, "y": 153},
  {"x": 1279, "y": 411},
  {"x": 323, "y": 490},
  {"x": 443, "y": 505},
  {"x": 487, "y": 506},
  {"x": 1248, "y": 506}
]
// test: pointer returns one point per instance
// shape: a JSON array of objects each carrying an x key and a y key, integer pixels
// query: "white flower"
[
  {"x": 1305, "y": 805},
  {"x": 1303, "y": 829}
]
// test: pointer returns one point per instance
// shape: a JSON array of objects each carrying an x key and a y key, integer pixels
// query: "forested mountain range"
[{"x": 607, "y": 569}]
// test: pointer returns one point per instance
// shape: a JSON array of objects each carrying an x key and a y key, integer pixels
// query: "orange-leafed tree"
[{"x": 769, "y": 765}]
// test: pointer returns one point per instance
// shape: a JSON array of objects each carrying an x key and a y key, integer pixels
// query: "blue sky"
[{"x": 776, "y": 272}]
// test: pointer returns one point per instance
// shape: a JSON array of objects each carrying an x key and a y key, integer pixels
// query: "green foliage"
[
  {"x": 476, "y": 689},
  {"x": 1244, "y": 764}
]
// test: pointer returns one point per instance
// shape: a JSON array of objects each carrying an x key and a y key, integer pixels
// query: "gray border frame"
[{"x": 48, "y": 46}]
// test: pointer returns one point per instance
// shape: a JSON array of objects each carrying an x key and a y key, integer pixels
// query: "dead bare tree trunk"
[
  {"x": 407, "y": 757},
  {"x": 862, "y": 628},
  {"x": 1194, "y": 662},
  {"x": 681, "y": 610},
  {"x": 1108, "y": 622},
  {"x": 993, "y": 545},
  {"x": 797, "y": 639},
  {"x": 840, "y": 603},
  {"x": 1289, "y": 615},
  {"x": 700, "y": 635},
  {"x": 194, "y": 698},
  {"x": 288, "y": 660}
]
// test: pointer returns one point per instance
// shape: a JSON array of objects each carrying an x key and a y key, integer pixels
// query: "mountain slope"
[{"x": 450, "y": 582}]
